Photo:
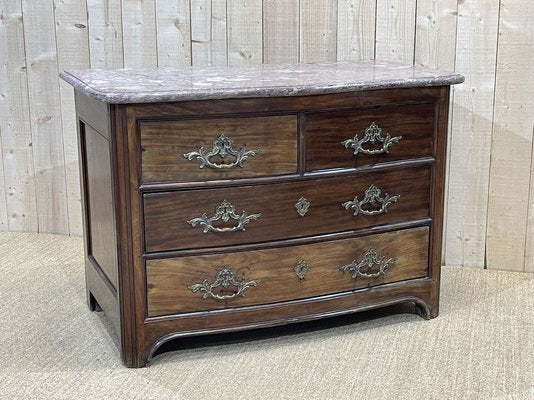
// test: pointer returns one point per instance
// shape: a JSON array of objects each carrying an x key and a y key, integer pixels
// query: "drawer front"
[
  {"x": 350, "y": 139},
  {"x": 238, "y": 279},
  {"x": 249, "y": 214},
  {"x": 208, "y": 149}
]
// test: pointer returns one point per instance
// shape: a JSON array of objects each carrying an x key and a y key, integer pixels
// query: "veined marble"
[{"x": 148, "y": 85}]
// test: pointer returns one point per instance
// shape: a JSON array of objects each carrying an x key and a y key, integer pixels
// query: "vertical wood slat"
[
  {"x": 173, "y": 33},
  {"x": 18, "y": 208},
  {"x": 105, "y": 33},
  {"x": 139, "y": 33},
  {"x": 395, "y": 30},
  {"x": 356, "y": 20},
  {"x": 471, "y": 133},
  {"x": 244, "y": 32},
  {"x": 435, "y": 47},
  {"x": 73, "y": 52},
  {"x": 511, "y": 147},
  {"x": 208, "y": 32},
  {"x": 280, "y": 31},
  {"x": 318, "y": 30},
  {"x": 45, "y": 116}
]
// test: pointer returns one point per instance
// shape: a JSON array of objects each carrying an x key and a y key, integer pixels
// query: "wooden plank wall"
[{"x": 490, "y": 201}]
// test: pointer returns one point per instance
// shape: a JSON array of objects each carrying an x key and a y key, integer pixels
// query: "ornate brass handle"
[
  {"x": 225, "y": 278},
  {"x": 372, "y": 134},
  {"x": 224, "y": 211},
  {"x": 364, "y": 267},
  {"x": 222, "y": 146},
  {"x": 371, "y": 196}
]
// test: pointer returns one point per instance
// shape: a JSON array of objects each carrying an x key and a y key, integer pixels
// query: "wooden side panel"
[
  {"x": 105, "y": 33},
  {"x": 102, "y": 242},
  {"x": 395, "y": 30},
  {"x": 244, "y": 32},
  {"x": 471, "y": 126},
  {"x": 73, "y": 52},
  {"x": 173, "y": 24},
  {"x": 356, "y": 20},
  {"x": 318, "y": 30},
  {"x": 273, "y": 272},
  {"x": 18, "y": 208},
  {"x": 45, "y": 116},
  {"x": 139, "y": 33},
  {"x": 164, "y": 144},
  {"x": 167, "y": 214},
  {"x": 511, "y": 148},
  {"x": 280, "y": 31},
  {"x": 208, "y": 32}
]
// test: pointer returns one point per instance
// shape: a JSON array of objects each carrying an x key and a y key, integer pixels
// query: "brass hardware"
[
  {"x": 301, "y": 268},
  {"x": 369, "y": 260},
  {"x": 372, "y": 134},
  {"x": 225, "y": 278},
  {"x": 222, "y": 146},
  {"x": 371, "y": 196},
  {"x": 224, "y": 211},
  {"x": 302, "y": 205}
]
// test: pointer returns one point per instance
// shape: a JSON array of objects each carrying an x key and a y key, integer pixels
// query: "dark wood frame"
[{"x": 140, "y": 336}]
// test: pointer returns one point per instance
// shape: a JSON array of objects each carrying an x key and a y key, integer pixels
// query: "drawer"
[
  {"x": 210, "y": 149},
  {"x": 350, "y": 139},
  {"x": 238, "y": 279},
  {"x": 258, "y": 213}
]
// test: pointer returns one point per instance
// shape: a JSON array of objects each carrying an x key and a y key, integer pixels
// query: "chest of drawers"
[{"x": 223, "y": 199}]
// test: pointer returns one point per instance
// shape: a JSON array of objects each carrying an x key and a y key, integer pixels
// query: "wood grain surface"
[
  {"x": 165, "y": 143},
  {"x": 326, "y": 131},
  {"x": 166, "y": 214},
  {"x": 168, "y": 280}
]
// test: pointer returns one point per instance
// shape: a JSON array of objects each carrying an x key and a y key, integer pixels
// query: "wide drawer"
[
  {"x": 238, "y": 279},
  {"x": 258, "y": 213},
  {"x": 354, "y": 138},
  {"x": 218, "y": 148}
]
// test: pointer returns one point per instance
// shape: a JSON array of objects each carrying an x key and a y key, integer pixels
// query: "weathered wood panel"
[
  {"x": 511, "y": 148},
  {"x": 318, "y": 30},
  {"x": 470, "y": 142},
  {"x": 280, "y": 31},
  {"x": 18, "y": 208},
  {"x": 45, "y": 116},
  {"x": 245, "y": 43},
  {"x": 38, "y": 173},
  {"x": 356, "y": 21},
  {"x": 395, "y": 30}
]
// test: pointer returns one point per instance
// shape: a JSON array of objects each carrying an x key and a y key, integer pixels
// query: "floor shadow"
[{"x": 284, "y": 330}]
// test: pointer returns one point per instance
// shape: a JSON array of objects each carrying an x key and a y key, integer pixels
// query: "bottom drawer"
[{"x": 216, "y": 281}]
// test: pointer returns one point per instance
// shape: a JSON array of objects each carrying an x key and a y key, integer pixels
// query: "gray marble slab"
[{"x": 148, "y": 85}]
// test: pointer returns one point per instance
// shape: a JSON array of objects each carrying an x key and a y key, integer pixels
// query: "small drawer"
[
  {"x": 216, "y": 281},
  {"x": 218, "y": 148},
  {"x": 354, "y": 138},
  {"x": 260, "y": 213}
]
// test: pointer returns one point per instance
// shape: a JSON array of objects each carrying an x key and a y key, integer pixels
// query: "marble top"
[{"x": 147, "y": 85}]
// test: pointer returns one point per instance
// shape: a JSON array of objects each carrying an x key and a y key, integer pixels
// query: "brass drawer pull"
[
  {"x": 224, "y": 211},
  {"x": 371, "y": 196},
  {"x": 365, "y": 267},
  {"x": 225, "y": 278},
  {"x": 372, "y": 135},
  {"x": 222, "y": 146}
]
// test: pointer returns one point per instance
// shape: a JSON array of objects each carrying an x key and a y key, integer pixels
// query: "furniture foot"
[
  {"x": 92, "y": 303},
  {"x": 426, "y": 311}
]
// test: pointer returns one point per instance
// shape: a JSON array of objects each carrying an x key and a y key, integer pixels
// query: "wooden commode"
[{"x": 231, "y": 198}]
